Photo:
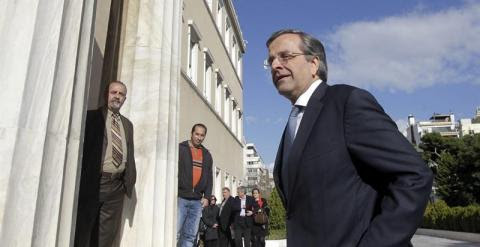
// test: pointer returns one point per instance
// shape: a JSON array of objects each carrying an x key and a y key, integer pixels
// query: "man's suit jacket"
[
  {"x": 95, "y": 143},
  {"x": 226, "y": 216},
  {"x": 237, "y": 207},
  {"x": 353, "y": 179}
]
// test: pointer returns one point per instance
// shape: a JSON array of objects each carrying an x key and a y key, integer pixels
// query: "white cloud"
[{"x": 408, "y": 52}]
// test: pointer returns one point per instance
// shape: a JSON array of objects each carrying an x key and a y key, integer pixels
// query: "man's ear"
[{"x": 314, "y": 65}]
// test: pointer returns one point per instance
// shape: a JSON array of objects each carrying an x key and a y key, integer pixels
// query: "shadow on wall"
[{"x": 128, "y": 213}]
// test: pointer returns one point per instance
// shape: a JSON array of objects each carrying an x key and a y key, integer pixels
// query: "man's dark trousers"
[
  {"x": 103, "y": 229},
  {"x": 242, "y": 228},
  {"x": 225, "y": 238}
]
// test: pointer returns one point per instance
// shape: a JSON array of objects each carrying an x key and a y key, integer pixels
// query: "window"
[
  {"x": 239, "y": 64},
  {"x": 193, "y": 50},
  {"x": 228, "y": 28},
  {"x": 218, "y": 93},
  {"x": 227, "y": 108},
  {"x": 207, "y": 79},
  {"x": 233, "y": 53},
  {"x": 220, "y": 15},
  {"x": 234, "y": 117},
  {"x": 239, "y": 125}
]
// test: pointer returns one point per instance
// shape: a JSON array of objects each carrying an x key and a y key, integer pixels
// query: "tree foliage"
[
  {"x": 277, "y": 212},
  {"x": 458, "y": 167}
]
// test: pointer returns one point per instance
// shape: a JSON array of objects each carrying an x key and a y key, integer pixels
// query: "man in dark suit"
[
  {"x": 108, "y": 170},
  {"x": 226, "y": 219},
  {"x": 243, "y": 221},
  {"x": 345, "y": 174}
]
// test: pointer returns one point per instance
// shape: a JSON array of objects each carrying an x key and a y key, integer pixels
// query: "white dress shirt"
[{"x": 303, "y": 101}]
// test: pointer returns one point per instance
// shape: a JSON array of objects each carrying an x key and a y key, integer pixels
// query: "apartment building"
[
  {"x": 444, "y": 124},
  {"x": 256, "y": 173}
]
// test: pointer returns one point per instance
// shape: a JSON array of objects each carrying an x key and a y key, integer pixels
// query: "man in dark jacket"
[
  {"x": 226, "y": 219},
  {"x": 194, "y": 184},
  {"x": 108, "y": 171},
  {"x": 345, "y": 174},
  {"x": 243, "y": 220}
]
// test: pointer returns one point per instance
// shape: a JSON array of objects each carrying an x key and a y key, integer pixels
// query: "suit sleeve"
[
  {"x": 375, "y": 143},
  {"x": 236, "y": 205},
  {"x": 132, "y": 174}
]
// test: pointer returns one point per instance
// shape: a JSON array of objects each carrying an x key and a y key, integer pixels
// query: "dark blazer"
[
  {"x": 353, "y": 179},
  {"x": 209, "y": 218},
  {"x": 95, "y": 143},
  {"x": 185, "y": 173},
  {"x": 237, "y": 207},
  {"x": 226, "y": 216}
]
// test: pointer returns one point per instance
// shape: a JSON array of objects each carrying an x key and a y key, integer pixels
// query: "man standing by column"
[
  {"x": 108, "y": 170},
  {"x": 194, "y": 184}
]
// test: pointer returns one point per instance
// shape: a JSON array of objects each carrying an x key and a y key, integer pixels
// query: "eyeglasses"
[{"x": 283, "y": 58}]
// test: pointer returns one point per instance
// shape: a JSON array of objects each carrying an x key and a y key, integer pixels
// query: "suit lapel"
[{"x": 312, "y": 111}]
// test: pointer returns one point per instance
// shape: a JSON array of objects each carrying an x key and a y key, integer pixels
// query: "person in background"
[
  {"x": 194, "y": 184},
  {"x": 210, "y": 219},
  {"x": 243, "y": 221},
  {"x": 259, "y": 230},
  {"x": 225, "y": 216}
]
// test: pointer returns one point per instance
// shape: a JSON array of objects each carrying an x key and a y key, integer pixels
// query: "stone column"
[
  {"x": 150, "y": 66},
  {"x": 44, "y": 52}
]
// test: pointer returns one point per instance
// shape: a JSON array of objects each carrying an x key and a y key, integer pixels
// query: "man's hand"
[
  {"x": 215, "y": 225},
  {"x": 204, "y": 202},
  {"x": 249, "y": 213}
]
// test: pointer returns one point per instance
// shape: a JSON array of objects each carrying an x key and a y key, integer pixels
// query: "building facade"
[
  {"x": 56, "y": 58},
  {"x": 211, "y": 87},
  {"x": 470, "y": 126},
  {"x": 444, "y": 124}
]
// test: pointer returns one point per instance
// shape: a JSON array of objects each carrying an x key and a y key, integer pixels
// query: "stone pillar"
[
  {"x": 150, "y": 66},
  {"x": 44, "y": 53}
]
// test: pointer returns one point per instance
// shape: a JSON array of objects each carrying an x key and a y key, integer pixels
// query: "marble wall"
[
  {"x": 43, "y": 93},
  {"x": 45, "y": 63},
  {"x": 150, "y": 67}
]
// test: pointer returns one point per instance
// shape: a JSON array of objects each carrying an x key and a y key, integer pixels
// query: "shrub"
[
  {"x": 439, "y": 215},
  {"x": 277, "y": 212}
]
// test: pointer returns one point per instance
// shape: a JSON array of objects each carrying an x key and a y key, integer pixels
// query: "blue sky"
[{"x": 416, "y": 57}]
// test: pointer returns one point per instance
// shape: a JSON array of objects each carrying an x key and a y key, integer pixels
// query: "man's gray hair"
[
  {"x": 241, "y": 188},
  {"x": 311, "y": 46}
]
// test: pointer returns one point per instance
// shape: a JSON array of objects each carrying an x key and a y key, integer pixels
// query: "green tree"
[
  {"x": 277, "y": 212},
  {"x": 458, "y": 171}
]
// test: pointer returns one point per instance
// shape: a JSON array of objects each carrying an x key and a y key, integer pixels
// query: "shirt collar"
[{"x": 305, "y": 97}]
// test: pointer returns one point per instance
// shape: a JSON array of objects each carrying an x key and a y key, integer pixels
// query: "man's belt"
[{"x": 112, "y": 176}]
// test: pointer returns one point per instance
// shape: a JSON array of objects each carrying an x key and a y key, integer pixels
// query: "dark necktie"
[
  {"x": 117, "y": 153},
  {"x": 287, "y": 144}
]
